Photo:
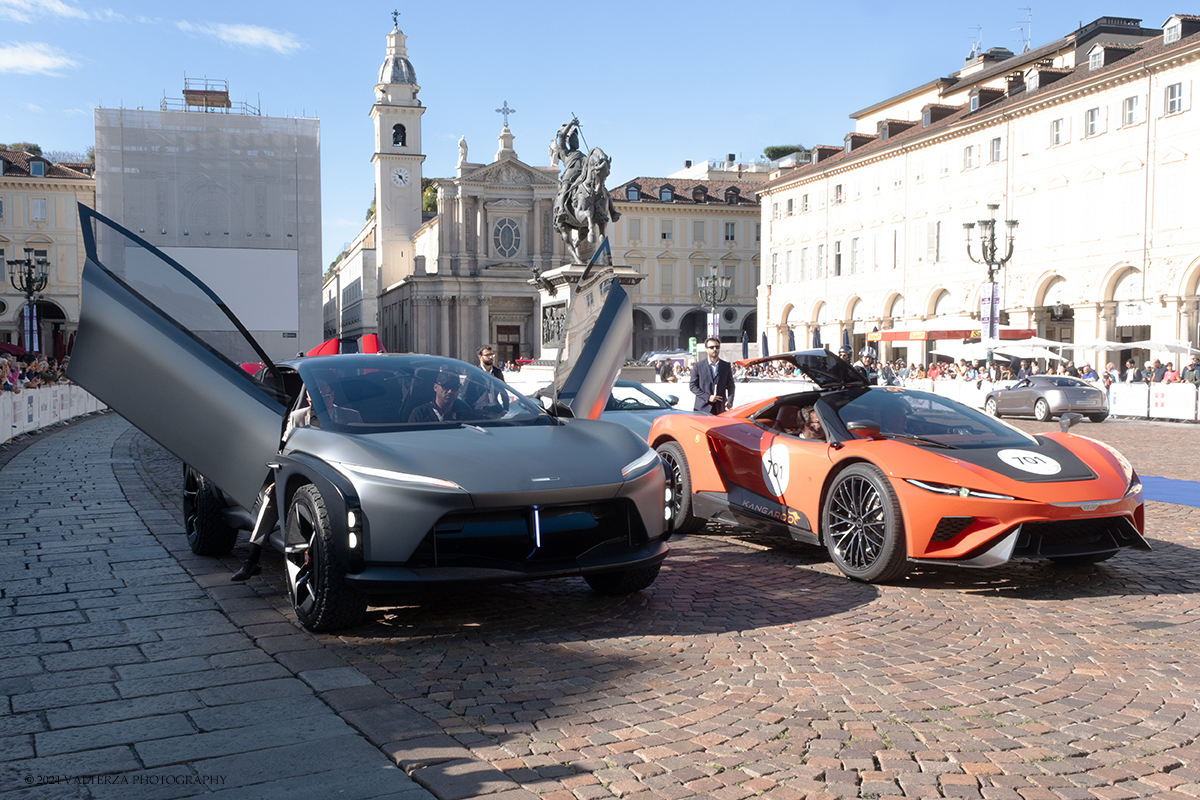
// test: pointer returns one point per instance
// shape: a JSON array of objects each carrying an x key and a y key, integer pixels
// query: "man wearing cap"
[
  {"x": 445, "y": 405},
  {"x": 1191, "y": 373}
]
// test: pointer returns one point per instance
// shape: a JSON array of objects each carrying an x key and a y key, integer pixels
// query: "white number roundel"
[
  {"x": 775, "y": 469},
  {"x": 1026, "y": 461}
]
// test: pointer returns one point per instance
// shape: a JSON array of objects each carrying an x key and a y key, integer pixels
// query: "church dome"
[{"x": 397, "y": 69}]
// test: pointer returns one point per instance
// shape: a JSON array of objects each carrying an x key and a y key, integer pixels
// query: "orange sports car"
[{"x": 885, "y": 477}]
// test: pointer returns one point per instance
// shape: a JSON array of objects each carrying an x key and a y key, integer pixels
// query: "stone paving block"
[
  {"x": 410, "y": 754},
  {"x": 101, "y": 761},
  {"x": 312, "y": 758},
  {"x": 99, "y": 713},
  {"x": 304, "y": 660},
  {"x": 258, "y": 690},
  {"x": 139, "y": 687},
  {"x": 239, "y": 715},
  {"x": 456, "y": 780},
  {"x": 384, "y": 780},
  {"x": 58, "y": 698},
  {"x": 213, "y": 744},
  {"x": 391, "y": 723},
  {"x": 113, "y": 733},
  {"x": 323, "y": 680}
]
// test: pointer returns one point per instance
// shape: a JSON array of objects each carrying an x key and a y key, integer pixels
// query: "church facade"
[{"x": 444, "y": 282}]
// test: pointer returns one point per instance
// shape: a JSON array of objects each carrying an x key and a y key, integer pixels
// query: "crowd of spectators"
[{"x": 31, "y": 371}]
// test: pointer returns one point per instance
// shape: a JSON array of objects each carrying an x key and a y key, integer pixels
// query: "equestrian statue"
[{"x": 582, "y": 207}]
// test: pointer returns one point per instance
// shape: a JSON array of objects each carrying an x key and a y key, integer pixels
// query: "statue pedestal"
[{"x": 554, "y": 292}]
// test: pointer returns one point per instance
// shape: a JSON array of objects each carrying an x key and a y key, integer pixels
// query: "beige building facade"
[
  {"x": 39, "y": 212},
  {"x": 1091, "y": 143},
  {"x": 676, "y": 230}
]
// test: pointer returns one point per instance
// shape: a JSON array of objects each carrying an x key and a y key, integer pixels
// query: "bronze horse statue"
[{"x": 583, "y": 207}]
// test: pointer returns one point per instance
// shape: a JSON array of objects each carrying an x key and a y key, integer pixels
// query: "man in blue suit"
[{"x": 712, "y": 380}]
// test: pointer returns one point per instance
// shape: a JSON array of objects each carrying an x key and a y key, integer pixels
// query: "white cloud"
[
  {"x": 34, "y": 108},
  {"x": 27, "y": 10},
  {"x": 76, "y": 112},
  {"x": 254, "y": 37},
  {"x": 33, "y": 58}
]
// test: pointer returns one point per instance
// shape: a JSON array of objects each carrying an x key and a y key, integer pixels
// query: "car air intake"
[
  {"x": 949, "y": 527},
  {"x": 1076, "y": 537}
]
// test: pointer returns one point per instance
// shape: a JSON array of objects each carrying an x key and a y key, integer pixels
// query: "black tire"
[
  {"x": 1082, "y": 561},
  {"x": 862, "y": 526},
  {"x": 316, "y": 579},
  {"x": 1041, "y": 411},
  {"x": 991, "y": 408},
  {"x": 1098, "y": 417},
  {"x": 626, "y": 582},
  {"x": 207, "y": 533},
  {"x": 679, "y": 481}
]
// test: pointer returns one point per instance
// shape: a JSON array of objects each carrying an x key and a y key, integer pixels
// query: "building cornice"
[{"x": 987, "y": 119}]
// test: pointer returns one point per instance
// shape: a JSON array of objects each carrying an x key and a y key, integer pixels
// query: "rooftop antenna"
[
  {"x": 1026, "y": 29},
  {"x": 976, "y": 41}
]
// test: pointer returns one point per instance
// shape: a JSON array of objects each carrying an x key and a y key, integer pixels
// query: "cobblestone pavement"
[{"x": 751, "y": 667}]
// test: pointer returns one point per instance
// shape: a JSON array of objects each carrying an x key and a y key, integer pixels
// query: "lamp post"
[
  {"x": 713, "y": 290},
  {"x": 990, "y": 252},
  {"x": 29, "y": 276}
]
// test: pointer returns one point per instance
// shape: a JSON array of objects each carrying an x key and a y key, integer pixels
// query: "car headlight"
[
  {"x": 956, "y": 491},
  {"x": 640, "y": 463},
  {"x": 423, "y": 481}
]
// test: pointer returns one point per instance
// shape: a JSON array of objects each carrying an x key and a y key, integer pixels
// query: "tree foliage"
[
  {"x": 26, "y": 147},
  {"x": 778, "y": 151},
  {"x": 371, "y": 209}
]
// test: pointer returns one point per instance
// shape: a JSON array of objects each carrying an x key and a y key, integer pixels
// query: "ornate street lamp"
[
  {"x": 990, "y": 250},
  {"x": 713, "y": 289},
  {"x": 29, "y": 276}
]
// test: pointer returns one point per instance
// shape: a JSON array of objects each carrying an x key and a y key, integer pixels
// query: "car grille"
[
  {"x": 505, "y": 539},
  {"x": 949, "y": 527},
  {"x": 1075, "y": 537}
]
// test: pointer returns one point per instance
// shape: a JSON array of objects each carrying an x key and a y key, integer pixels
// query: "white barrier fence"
[
  {"x": 37, "y": 408},
  {"x": 1174, "y": 401}
]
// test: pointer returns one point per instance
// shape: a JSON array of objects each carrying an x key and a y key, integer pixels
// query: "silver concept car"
[{"x": 377, "y": 491}]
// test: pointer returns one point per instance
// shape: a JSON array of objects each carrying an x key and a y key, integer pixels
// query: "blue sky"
[{"x": 654, "y": 83}]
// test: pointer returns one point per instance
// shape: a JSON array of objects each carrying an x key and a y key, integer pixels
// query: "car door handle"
[{"x": 273, "y": 465}]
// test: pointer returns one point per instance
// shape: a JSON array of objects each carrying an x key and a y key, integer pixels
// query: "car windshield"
[
  {"x": 634, "y": 397},
  {"x": 380, "y": 393},
  {"x": 904, "y": 413}
]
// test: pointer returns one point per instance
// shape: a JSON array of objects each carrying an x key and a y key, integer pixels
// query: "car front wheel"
[
  {"x": 1098, "y": 417},
  {"x": 863, "y": 527},
  {"x": 679, "y": 481},
  {"x": 207, "y": 533},
  {"x": 316, "y": 580},
  {"x": 626, "y": 582},
  {"x": 991, "y": 408},
  {"x": 1041, "y": 411}
]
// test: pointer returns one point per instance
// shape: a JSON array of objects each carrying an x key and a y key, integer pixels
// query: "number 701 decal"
[{"x": 1026, "y": 461}]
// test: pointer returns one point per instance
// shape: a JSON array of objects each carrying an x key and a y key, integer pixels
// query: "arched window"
[
  {"x": 731, "y": 197},
  {"x": 399, "y": 136},
  {"x": 699, "y": 194},
  {"x": 944, "y": 304},
  {"x": 665, "y": 195},
  {"x": 632, "y": 193}
]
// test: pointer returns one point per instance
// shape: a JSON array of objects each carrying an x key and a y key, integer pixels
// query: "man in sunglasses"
[{"x": 712, "y": 380}]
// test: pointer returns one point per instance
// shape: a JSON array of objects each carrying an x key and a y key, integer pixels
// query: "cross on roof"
[
  {"x": 396, "y": 19},
  {"x": 505, "y": 110}
]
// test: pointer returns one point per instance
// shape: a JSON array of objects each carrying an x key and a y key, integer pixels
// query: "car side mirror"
[
  {"x": 1068, "y": 421},
  {"x": 672, "y": 400},
  {"x": 864, "y": 428}
]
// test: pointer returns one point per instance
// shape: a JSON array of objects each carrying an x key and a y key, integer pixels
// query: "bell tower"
[{"x": 397, "y": 117}]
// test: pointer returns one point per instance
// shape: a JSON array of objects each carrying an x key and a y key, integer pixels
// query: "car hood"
[
  {"x": 566, "y": 455},
  {"x": 820, "y": 366},
  {"x": 639, "y": 421}
]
